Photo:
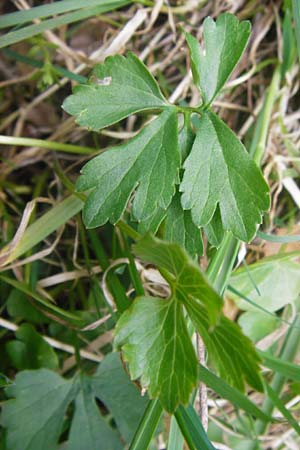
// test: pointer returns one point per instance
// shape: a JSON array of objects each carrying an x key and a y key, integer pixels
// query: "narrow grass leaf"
[
  {"x": 51, "y": 145},
  {"x": 39, "y": 65},
  {"x": 147, "y": 426},
  {"x": 23, "y": 287},
  {"x": 296, "y": 14},
  {"x": 32, "y": 30},
  {"x": 279, "y": 239},
  {"x": 224, "y": 390},
  {"x": 192, "y": 429},
  {"x": 282, "y": 408},
  {"x": 51, "y": 221},
  {"x": 286, "y": 368},
  {"x": 57, "y": 7}
]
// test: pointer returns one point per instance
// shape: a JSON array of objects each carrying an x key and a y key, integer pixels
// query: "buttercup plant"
[{"x": 180, "y": 181}]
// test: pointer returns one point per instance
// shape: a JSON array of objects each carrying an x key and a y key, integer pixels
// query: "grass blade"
[
  {"x": 39, "y": 65},
  {"x": 233, "y": 395},
  {"x": 192, "y": 429},
  {"x": 281, "y": 407},
  {"x": 51, "y": 145},
  {"x": 33, "y": 30},
  {"x": 147, "y": 426},
  {"x": 38, "y": 298},
  {"x": 175, "y": 441},
  {"x": 40, "y": 12},
  {"x": 287, "y": 369},
  {"x": 45, "y": 225},
  {"x": 279, "y": 239},
  {"x": 296, "y": 14}
]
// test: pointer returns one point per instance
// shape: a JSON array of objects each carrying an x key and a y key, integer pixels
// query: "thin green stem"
[
  {"x": 221, "y": 265},
  {"x": 147, "y": 426},
  {"x": 259, "y": 140},
  {"x": 128, "y": 230},
  {"x": 51, "y": 145},
  {"x": 134, "y": 274}
]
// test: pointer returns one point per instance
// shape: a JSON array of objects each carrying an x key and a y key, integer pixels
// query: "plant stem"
[
  {"x": 51, "y": 145},
  {"x": 259, "y": 140},
  {"x": 220, "y": 266}
]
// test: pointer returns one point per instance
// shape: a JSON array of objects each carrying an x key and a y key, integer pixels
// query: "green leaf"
[
  {"x": 180, "y": 228},
  {"x": 258, "y": 324},
  {"x": 271, "y": 283},
  {"x": 225, "y": 41},
  {"x": 148, "y": 424},
  {"x": 117, "y": 88},
  {"x": 18, "y": 307},
  {"x": 185, "y": 277},
  {"x": 214, "y": 230},
  {"x": 148, "y": 164},
  {"x": 89, "y": 430},
  {"x": 113, "y": 387},
  {"x": 231, "y": 352},
  {"x": 192, "y": 428},
  {"x": 288, "y": 369},
  {"x": 296, "y": 14},
  {"x": 276, "y": 400},
  {"x": 62, "y": 19},
  {"x": 231, "y": 394},
  {"x": 289, "y": 45},
  {"x": 55, "y": 8},
  {"x": 31, "y": 351},
  {"x": 155, "y": 341},
  {"x": 219, "y": 171},
  {"x": 153, "y": 333},
  {"x": 49, "y": 222},
  {"x": 34, "y": 417},
  {"x": 23, "y": 287}
]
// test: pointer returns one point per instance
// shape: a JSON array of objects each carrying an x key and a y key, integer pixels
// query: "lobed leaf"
[
  {"x": 155, "y": 341},
  {"x": 225, "y": 41},
  {"x": 30, "y": 350},
  {"x": 119, "y": 87},
  {"x": 113, "y": 387},
  {"x": 230, "y": 350},
  {"x": 187, "y": 280},
  {"x": 88, "y": 428},
  {"x": 214, "y": 229},
  {"x": 180, "y": 228},
  {"x": 148, "y": 164},
  {"x": 219, "y": 171},
  {"x": 34, "y": 417}
]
